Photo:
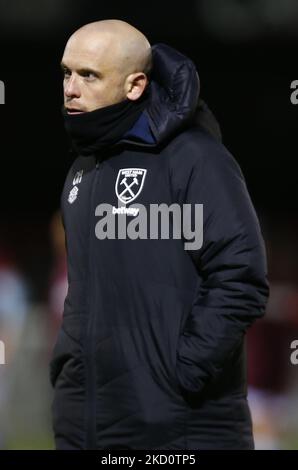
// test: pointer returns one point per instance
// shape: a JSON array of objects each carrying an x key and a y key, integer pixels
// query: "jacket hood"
[
  {"x": 175, "y": 101},
  {"x": 175, "y": 89}
]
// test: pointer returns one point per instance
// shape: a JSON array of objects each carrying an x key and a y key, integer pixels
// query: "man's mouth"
[{"x": 74, "y": 111}]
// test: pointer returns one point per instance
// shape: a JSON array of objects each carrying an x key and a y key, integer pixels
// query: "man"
[{"x": 151, "y": 352}]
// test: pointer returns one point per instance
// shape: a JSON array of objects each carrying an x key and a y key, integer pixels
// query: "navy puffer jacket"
[{"x": 151, "y": 351}]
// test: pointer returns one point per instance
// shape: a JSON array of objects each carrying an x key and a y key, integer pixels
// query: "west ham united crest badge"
[{"x": 129, "y": 183}]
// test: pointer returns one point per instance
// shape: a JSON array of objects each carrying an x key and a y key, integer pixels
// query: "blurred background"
[{"x": 245, "y": 52}]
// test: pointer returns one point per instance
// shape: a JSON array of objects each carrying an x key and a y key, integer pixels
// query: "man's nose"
[{"x": 71, "y": 88}]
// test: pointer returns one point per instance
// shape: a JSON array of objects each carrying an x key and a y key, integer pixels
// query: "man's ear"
[{"x": 135, "y": 84}]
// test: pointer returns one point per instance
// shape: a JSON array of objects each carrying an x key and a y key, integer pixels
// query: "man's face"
[{"x": 92, "y": 77}]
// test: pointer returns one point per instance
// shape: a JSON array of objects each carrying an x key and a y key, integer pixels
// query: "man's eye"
[{"x": 89, "y": 75}]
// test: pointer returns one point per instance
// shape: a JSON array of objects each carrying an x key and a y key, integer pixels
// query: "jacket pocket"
[
  {"x": 67, "y": 352},
  {"x": 68, "y": 347}
]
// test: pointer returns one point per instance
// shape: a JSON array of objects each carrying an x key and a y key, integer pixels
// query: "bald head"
[
  {"x": 128, "y": 48},
  {"x": 118, "y": 54}
]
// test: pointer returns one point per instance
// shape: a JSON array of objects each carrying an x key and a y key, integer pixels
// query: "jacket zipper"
[{"x": 90, "y": 339}]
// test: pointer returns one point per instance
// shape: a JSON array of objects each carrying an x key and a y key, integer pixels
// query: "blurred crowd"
[{"x": 28, "y": 326}]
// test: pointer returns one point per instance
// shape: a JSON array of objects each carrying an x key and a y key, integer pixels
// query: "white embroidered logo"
[
  {"x": 73, "y": 194},
  {"x": 129, "y": 183},
  {"x": 78, "y": 177}
]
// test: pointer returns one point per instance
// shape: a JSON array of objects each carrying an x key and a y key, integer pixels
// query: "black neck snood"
[{"x": 94, "y": 130}]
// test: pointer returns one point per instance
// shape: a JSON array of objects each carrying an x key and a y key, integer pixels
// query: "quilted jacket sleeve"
[{"x": 233, "y": 267}]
